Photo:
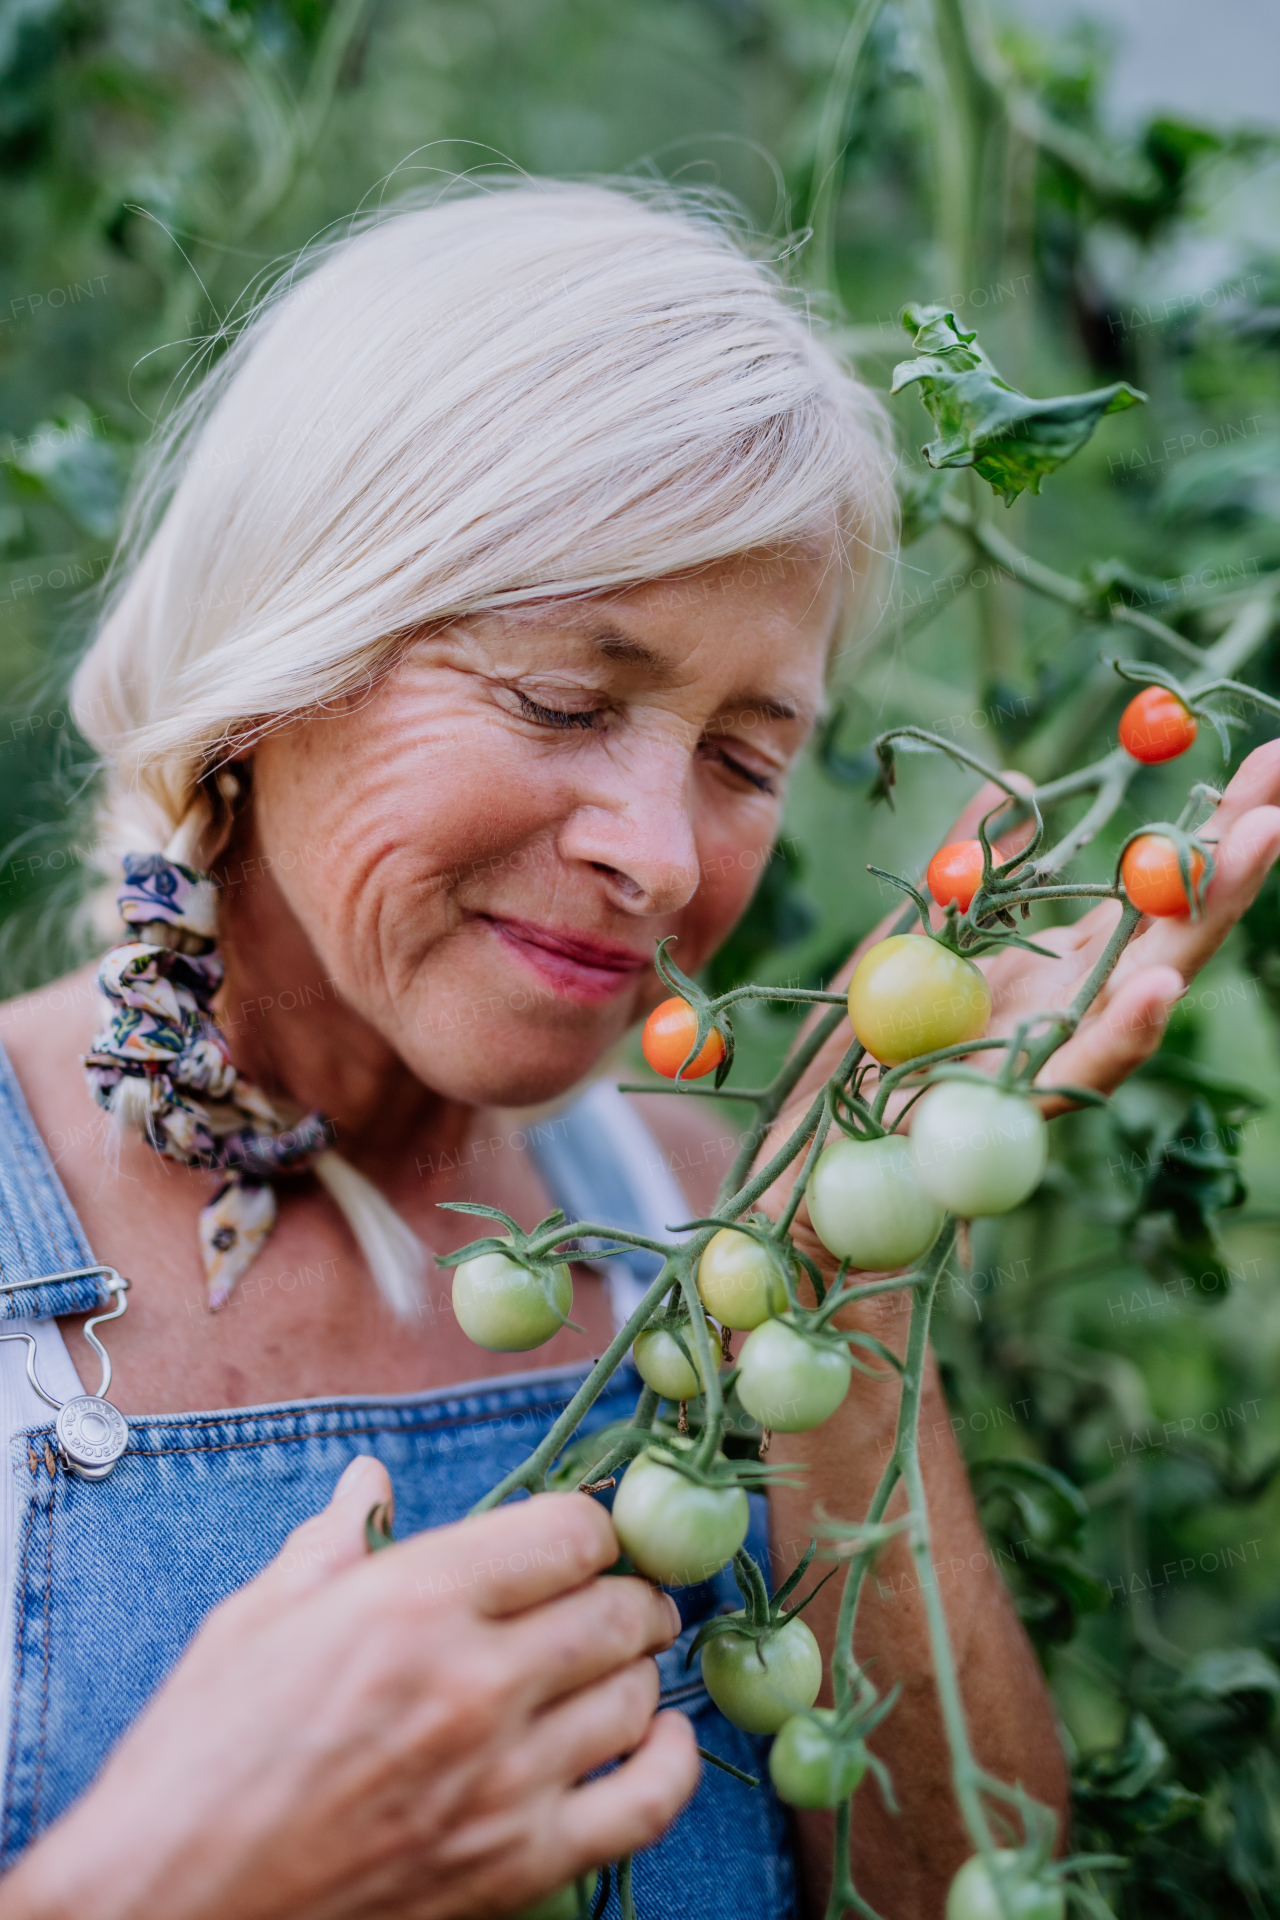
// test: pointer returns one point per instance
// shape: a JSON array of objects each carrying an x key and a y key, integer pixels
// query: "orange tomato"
[
  {"x": 1151, "y": 878},
  {"x": 1156, "y": 726},
  {"x": 955, "y": 872},
  {"x": 669, "y": 1032}
]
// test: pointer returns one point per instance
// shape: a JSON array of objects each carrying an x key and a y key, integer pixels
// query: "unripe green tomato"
[
  {"x": 662, "y": 1366},
  {"x": 972, "y": 1897},
  {"x": 976, "y": 1149},
  {"x": 759, "y": 1688},
  {"x": 787, "y": 1383},
  {"x": 560, "y": 1905},
  {"x": 806, "y": 1765},
  {"x": 673, "y": 1531},
  {"x": 911, "y": 995},
  {"x": 740, "y": 1281},
  {"x": 502, "y": 1306},
  {"x": 868, "y": 1207}
]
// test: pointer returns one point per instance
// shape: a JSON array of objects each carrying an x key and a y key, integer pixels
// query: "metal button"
[{"x": 92, "y": 1434}]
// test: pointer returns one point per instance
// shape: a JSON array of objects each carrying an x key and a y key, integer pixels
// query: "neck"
[{"x": 292, "y": 1034}]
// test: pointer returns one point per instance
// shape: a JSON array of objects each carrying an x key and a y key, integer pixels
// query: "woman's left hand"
[{"x": 1125, "y": 1023}]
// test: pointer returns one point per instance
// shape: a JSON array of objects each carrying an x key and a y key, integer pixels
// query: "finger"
[
  {"x": 578, "y": 1734},
  {"x": 636, "y": 1803},
  {"x": 582, "y": 1636},
  {"x": 1247, "y": 850},
  {"x": 513, "y": 1558},
  {"x": 325, "y": 1545},
  {"x": 1105, "y": 1049},
  {"x": 1256, "y": 782}
]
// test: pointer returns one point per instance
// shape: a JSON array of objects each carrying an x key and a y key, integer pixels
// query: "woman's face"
[{"x": 485, "y": 852}]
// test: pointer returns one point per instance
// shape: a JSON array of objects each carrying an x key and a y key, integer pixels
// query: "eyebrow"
[{"x": 614, "y": 644}]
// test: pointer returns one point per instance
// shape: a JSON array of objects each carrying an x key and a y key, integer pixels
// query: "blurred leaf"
[
  {"x": 985, "y": 423},
  {"x": 70, "y": 462}
]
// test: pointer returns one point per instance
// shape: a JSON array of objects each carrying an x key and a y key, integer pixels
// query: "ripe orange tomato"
[
  {"x": 1151, "y": 878},
  {"x": 669, "y": 1032},
  {"x": 955, "y": 872},
  {"x": 1156, "y": 726}
]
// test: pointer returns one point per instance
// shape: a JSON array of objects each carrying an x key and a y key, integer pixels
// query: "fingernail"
[
  {"x": 355, "y": 1471},
  {"x": 677, "y": 1625}
]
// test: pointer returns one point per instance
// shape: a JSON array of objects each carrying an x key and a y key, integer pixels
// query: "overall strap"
[
  {"x": 600, "y": 1162},
  {"x": 39, "y": 1233}
]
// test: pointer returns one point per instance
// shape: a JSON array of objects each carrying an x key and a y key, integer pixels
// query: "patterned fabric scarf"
[{"x": 196, "y": 1109}]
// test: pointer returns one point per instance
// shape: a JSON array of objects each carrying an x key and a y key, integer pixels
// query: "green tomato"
[
  {"x": 560, "y": 1905},
  {"x": 662, "y": 1366},
  {"x": 787, "y": 1383},
  {"x": 911, "y": 995},
  {"x": 807, "y": 1766},
  {"x": 758, "y": 1687},
  {"x": 972, "y": 1896},
  {"x": 673, "y": 1531},
  {"x": 740, "y": 1281},
  {"x": 977, "y": 1150},
  {"x": 868, "y": 1207},
  {"x": 504, "y": 1307}
]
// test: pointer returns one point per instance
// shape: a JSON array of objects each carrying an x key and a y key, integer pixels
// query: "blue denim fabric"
[{"x": 114, "y": 1577}]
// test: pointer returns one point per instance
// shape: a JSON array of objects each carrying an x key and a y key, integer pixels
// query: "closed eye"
[
  {"x": 762, "y": 782},
  {"x": 585, "y": 719}
]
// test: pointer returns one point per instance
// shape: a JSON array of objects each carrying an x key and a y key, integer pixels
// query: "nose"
[{"x": 635, "y": 828}]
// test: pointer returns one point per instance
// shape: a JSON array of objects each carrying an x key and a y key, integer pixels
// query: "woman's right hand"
[{"x": 399, "y": 1733}]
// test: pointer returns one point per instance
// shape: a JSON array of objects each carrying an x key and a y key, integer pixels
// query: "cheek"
[
  {"x": 731, "y": 866},
  {"x": 371, "y": 862}
]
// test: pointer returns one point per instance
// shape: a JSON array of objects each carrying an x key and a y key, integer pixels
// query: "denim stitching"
[
  {"x": 19, "y": 1662},
  {"x": 44, "y": 1679}
]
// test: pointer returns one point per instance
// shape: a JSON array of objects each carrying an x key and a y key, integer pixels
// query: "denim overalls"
[{"x": 114, "y": 1576}]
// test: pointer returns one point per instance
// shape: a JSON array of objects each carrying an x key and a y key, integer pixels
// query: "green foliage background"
[{"x": 1112, "y": 1356}]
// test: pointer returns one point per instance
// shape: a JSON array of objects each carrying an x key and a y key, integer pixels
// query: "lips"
[{"x": 577, "y": 967}]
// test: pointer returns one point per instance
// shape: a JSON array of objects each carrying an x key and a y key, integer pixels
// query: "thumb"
[{"x": 330, "y": 1541}]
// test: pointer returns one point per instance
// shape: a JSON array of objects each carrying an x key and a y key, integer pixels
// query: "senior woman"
[{"x": 478, "y": 608}]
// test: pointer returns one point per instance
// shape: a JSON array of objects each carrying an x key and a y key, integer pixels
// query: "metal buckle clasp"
[{"x": 91, "y": 1433}]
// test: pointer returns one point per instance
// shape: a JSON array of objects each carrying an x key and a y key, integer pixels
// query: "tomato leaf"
[{"x": 1011, "y": 440}]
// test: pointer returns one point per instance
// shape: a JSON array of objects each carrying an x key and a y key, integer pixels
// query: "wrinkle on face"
[{"x": 445, "y": 810}]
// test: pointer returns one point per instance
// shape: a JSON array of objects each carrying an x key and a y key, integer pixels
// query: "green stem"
[
  {"x": 779, "y": 1089},
  {"x": 783, "y": 1223},
  {"x": 532, "y": 1472},
  {"x": 829, "y": 151},
  {"x": 1097, "y": 979}
]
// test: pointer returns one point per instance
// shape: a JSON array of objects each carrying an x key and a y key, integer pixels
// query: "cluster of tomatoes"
[{"x": 877, "y": 1201}]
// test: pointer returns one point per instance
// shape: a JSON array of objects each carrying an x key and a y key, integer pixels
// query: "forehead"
[{"x": 779, "y": 607}]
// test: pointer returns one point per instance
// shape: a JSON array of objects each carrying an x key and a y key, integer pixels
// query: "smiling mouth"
[{"x": 578, "y": 968}]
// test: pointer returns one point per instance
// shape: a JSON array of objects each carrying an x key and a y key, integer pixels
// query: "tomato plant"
[
  {"x": 867, "y": 1205},
  {"x": 1152, "y": 877},
  {"x": 667, "y": 1366},
  {"x": 977, "y": 1150},
  {"x": 911, "y": 995},
  {"x": 789, "y": 1383},
  {"x": 668, "y": 1038},
  {"x": 740, "y": 1281},
  {"x": 971, "y": 1895},
  {"x": 673, "y": 1529},
  {"x": 507, "y": 1308},
  {"x": 808, "y": 1763},
  {"x": 1157, "y": 726},
  {"x": 760, "y": 1683},
  {"x": 955, "y": 873}
]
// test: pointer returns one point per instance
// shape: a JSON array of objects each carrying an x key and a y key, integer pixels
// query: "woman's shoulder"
[{"x": 45, "y": 1033}]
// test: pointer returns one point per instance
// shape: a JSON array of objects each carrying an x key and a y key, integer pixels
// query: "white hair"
[
  {"x": 525, "y": 391},
  {"x": 516, "y": 394}
]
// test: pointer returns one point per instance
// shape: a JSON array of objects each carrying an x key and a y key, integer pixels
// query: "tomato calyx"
[
  {"x": 688, "y": 1457},
  {"x": 710, "y": 1018},
  {"x": 1194, "y": 855},
  {"x": 761, "y": 1616},
  {"x": 527, "y": 1250}
]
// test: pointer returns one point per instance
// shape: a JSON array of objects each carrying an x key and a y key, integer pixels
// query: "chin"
[{"x": 503, "y": 1067}]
